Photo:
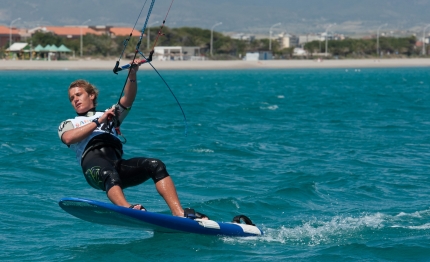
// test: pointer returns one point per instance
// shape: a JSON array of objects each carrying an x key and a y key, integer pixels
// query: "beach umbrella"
[
  {"x": 63, "y": 48},
  {"x": 53, "y": 48},
  {"x": 38, "y": 48},
  {"x": 46, "y": 48}
]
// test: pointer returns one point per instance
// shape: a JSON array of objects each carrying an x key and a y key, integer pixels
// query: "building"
[
  {"x": 303, "y": 39},
  {"x": 260, "y": 55},
  {"x": 122, "y": 31},
  {"x": 166, "y": 53},
  {"x": 103, "y": 29},
  {"x": 6, "y": 34},
  {"x": 18, "y": 50},
  {"x": 287, "y": 40},
  {"x": 339, "y": 37},
  {"x": 243, "y": 37},
  {"x": 251, "y": 56},
  {"x": 74, "y": 32},
  {"x": 70, "y": 32},
  {"x": 25, "y": 51},
  {"x": 299, "y": 52}
]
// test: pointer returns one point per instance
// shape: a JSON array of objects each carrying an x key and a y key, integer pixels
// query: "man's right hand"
[{"x": 107, "y": 116}]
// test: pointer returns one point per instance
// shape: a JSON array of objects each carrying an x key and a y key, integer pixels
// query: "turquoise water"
[{"x": 331, "y": 164}]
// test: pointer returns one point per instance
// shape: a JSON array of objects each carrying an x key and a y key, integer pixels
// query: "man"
[{"x": 95, "y": 138}]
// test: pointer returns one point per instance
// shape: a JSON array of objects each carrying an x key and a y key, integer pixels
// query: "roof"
[
  {"x": 123, "y": 31},
  {"x": 5, "y": 30},
  {"x": 51, "y": 48},
  {"x": 71, "y": 31},
  {"x": 38, "y": 48},
  {"x": 168, "y": 47},
  {"x": 63, "y": 48},
  {"x": 17, "y": 47}
]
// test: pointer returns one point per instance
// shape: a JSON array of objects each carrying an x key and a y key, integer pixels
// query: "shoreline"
[{"x": 8, "y": 65}]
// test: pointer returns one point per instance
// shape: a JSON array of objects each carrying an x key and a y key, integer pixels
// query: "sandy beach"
[{"x": 214, "y": 65}]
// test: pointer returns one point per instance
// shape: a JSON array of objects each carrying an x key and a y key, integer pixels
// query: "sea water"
[{"x": 332, "y": 164}]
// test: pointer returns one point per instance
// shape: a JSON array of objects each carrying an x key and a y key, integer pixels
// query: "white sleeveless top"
[{"x": 80, "y": 121}]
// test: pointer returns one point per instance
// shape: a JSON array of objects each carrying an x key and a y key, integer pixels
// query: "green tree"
[
  {"x": 43, "y": 39},
  {"x": 366, "y": 47},
  {"x": 224, "y": 47},
  {"x": 99, "y": 45}
]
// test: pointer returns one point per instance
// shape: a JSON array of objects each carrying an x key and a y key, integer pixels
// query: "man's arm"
[
  {"x": 130, "y": 89},
  {"x": 76, "y": 135}
]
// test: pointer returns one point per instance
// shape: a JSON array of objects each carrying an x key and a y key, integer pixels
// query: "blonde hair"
[{"x": 89, "y": 88}]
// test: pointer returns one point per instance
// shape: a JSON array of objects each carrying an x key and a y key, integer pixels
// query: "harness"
[{"x": 108, "y": 139}]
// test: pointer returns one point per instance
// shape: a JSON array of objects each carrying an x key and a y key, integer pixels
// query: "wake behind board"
[{"x": 109, "y": 214}]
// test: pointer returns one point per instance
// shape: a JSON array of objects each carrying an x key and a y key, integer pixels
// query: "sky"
[{"x": 241, "y": 16}]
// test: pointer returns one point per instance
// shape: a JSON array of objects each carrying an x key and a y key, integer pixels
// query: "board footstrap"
[{"x": 237, "y": 219}]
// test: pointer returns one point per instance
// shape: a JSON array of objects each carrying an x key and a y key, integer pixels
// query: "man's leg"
[
  {"x": 135, "y": 171},
  {"x": 116, "y": 196},
  {"x": 167, "y": 190}
]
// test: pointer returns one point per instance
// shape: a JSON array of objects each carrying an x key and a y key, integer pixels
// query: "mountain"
[{"x": 246, "y": 16}]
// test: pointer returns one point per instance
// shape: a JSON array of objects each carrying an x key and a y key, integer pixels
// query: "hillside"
[{"x": 249, "y": 16}]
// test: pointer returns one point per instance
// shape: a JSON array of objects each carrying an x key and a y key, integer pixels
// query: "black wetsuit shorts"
[{"x": 104, "y": 168}]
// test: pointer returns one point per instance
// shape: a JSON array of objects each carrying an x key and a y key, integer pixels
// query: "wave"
[{"x": 340, "y": 230}]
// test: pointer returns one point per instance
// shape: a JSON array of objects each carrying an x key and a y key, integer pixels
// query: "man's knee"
[
  {"x": 159, "y": 170},
  {"x": 111, "y": 178}
]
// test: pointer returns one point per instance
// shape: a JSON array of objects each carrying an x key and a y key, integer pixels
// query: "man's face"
[{"x": 81, "y": 100}]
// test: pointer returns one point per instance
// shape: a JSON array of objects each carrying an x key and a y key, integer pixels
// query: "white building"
[
  {"x": 243, "y": 37},
  {"x": 287, "y": 40},
  {"x": 299, "y": 52},
  {"x": 251, "y": 56},
  {"x": 256, "y": 56},
  {"x": 166, "y": 53},
  {"x": 303, "y": 39}
]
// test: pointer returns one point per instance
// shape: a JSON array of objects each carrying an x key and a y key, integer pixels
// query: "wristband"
[{"x": 96, "y": 120}]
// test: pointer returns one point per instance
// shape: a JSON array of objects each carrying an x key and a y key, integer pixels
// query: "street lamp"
[
  {"x": 424, "y": 40},
  {"x": 326, "y": 38},
  {"x": 212, "y": 34},
  {"x": 377, "y": 40},
  {"x": 10, "y": 31},
  {"x": 270, "y": 38},
  {"x": 149, "y": 31},
  {"x": 89, "y": 20}
]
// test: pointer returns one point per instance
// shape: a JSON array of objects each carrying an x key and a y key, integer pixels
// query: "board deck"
[{"x": 109, "y": 214}]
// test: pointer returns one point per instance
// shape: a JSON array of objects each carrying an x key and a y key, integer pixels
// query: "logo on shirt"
[{"x": 61, "y": 127}]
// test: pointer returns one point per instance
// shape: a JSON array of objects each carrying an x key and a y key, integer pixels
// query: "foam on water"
[
  {"x": 316, "y": 232},
  {"x": 339, "y": 230},
  {"x": 202, "y": 150}
]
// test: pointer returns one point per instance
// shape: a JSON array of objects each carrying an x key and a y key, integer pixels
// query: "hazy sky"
[{"x": 249, "y": 16}]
